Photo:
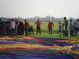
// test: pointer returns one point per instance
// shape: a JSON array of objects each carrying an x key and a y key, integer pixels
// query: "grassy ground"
[
  {"x": 44, "y": 26},
  {"x": 45, "y": 34}
]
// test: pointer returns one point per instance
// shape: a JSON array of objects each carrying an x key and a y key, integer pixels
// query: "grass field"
[
  {"x": 45, "y": 34},
  {"x": 44, "y": 26}
]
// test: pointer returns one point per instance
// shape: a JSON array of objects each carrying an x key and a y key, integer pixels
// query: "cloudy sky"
[{"x": 31, "y": 8}]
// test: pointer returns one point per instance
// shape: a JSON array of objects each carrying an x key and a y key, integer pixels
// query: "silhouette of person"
[
  {"x": 77, "y": 27},
  {"x": 13, "y": 27},
  {"x": 50, "y": 26},
  {"x": 38, "y": 26},
  {"x": 20, "y": 28},
  {"x": 26, "y": 25},
  {"x": 60, "y": 27},
  {"x": 65, "y": 27},
  {"x": 71, "y": 28},
  {"x": 65, "y": 24}
]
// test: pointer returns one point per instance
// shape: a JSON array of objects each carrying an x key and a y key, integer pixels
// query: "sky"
[{"x": 41, "y": 8}]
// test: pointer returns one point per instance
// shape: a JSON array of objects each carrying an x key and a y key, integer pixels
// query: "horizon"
[{"x": 41, "y": 17}]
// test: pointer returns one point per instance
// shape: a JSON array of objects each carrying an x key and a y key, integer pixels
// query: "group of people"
[
  {"x": 19, "y": 28},
  {"x": 70, "y": 28},
  {"x": 38, "y": 26},
  {"x": 24, "y": 27}
]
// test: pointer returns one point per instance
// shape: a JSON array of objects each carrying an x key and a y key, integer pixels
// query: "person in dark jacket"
[
  {"x": 20, "y": 28},
  {"x": 65, "y": 27},
  {"x": 65, "y": 24},
  {"x": 77, "y": 27}
]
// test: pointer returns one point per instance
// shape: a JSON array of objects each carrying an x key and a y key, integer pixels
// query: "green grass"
[
  {"x": 54, "y": 35},
  {"x": 44, "y": 26},
  {"x": 44, "y": 29}
]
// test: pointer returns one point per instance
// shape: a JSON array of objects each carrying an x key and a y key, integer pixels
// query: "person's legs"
[
  {"x": 72, "y": 32},
  {"x": 65, "y": 28},
  {"x": 13, "y": 32},
  {"x": 51, "y": 31},
  {"x": 39, "y": 30},
  {"x": 77, "y": 31},
  {"x": 26, "y": 30}
]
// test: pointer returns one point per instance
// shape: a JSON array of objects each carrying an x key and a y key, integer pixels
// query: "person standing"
[
  {"x": 38, "y": 26},
  {"x": 13, "y": 27},
  {"x": 50, "y": 26},
  {"x": 60, "y": 28},
  {"x": 26, "y": 25},
  {"x": 71, "y": 28},
  {"x": 65, "y": 27},
  {"x": 65, "y": 24},
  {"x": 77, "y": 27},
  {"x": 20, "y": 28}
]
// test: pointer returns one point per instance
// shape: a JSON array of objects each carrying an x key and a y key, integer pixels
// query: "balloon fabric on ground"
[{"x": 22, "y": 47}]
